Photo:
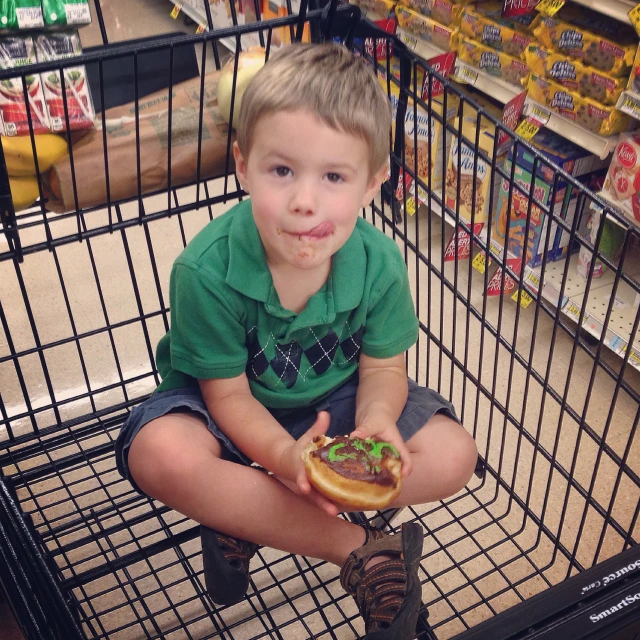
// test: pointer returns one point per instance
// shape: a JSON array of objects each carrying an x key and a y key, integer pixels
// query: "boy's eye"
[
  {"x": 334, "y": 177},
  {"x": 282, "y": 172}
]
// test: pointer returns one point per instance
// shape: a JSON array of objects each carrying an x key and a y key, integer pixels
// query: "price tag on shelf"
[
  {"x": 634, "y": 16},
  {"x": 537, "y": 114},
  {"x": 175, "y": 12},
  {"x": 549, "y": 7},
  {"x": 525, "y": 299},
  {"x": 630, "y": 105},
  {"x": 201, "y": 28},
  {"x": 527, "y": 129},
  {"x": 634, "y": 356},
  {"x": 411, "y": 206},
  {"x": 410, "y": 41},
  {"x": 465, "y": 75},
  {"x": 479, "y": 263},
  {"x": 572, "y": 310}
]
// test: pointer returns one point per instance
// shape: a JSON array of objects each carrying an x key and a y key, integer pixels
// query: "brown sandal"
[{"x": 388, "y": 595}]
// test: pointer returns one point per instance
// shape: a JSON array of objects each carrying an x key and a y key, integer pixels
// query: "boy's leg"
[{"x": 176, "y": 460}]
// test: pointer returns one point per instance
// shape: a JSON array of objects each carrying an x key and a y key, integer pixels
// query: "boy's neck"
[{"x": 296, "y": 286}]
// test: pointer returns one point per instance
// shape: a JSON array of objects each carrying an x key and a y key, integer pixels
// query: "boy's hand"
[
  {"x": 296, "y": 473},
  {"x": 384, "y": 429}
]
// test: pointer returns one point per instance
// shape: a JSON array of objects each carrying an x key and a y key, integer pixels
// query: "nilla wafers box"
[{"x": 622, "y": 184}]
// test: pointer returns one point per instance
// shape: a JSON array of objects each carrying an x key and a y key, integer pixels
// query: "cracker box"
[
  {"x": 589, "y": 114},
  {"x": 484, "y": 23},
  {"x": 569, "y": 157},
  {"x": 15, "y": 52},
  {"x": 496, "y": 63},
  {"x": 570, "y": 73},
  {"x": 466, "y": 170},
  {"x": 60, "y": 46},
  {"x": 441, "y": 36},
  {"x": 594, "y": 39}
]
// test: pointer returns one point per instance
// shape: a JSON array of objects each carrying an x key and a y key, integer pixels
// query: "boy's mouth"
[{"x": 318, "y": 232}]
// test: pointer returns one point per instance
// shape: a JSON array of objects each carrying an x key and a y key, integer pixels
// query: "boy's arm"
[
  {"x": 258, "y": 435},
  {"x": 381, "y": 398}
]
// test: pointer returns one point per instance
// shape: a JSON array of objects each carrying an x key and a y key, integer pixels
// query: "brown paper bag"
[{"x": 89, "y": 156}]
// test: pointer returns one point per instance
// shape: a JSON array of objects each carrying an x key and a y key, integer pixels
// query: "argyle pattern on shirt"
[{"x": 275, "y": 364}]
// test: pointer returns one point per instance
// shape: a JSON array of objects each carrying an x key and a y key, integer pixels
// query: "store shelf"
[
  {"x": 617, "y": 9},
  {"x": 629, "y": 103},
  {"x": 420, "y": 47}
]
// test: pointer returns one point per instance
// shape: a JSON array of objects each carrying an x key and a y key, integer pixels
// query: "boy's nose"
[{"x": 304, "y": 199}]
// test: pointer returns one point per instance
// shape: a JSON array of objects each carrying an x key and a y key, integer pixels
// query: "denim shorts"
[{"x": 422, "y": 404}]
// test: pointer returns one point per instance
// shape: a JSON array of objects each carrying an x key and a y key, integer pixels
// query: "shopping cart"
[{"x": 541, "y": 544}]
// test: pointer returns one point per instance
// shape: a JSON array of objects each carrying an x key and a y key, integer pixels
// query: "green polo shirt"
[{"x": 226, "y": 317}]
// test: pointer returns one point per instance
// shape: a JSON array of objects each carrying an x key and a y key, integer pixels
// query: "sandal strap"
[{"x": 235, "y": 548}]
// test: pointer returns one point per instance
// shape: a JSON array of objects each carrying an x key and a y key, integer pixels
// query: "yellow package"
[
  {"x": 483, "y": 23},
  {"x": 590, "y": 115},
  {"x": 572, "y": 74},
  {"x": 466, "y": 170},
  {"x": 421, "y": 129},
  {"x": 445, "y": 12},
  {"x": 278, "y": 9},
  {"x": 593, "y": 39},
  {"x": 445, "y": 38},
  {"x": 496, "y": 63},
  {"x": 382, "y": 8}
]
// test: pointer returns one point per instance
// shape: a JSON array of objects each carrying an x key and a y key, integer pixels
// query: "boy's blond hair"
[{"x": 330, "y": 82}]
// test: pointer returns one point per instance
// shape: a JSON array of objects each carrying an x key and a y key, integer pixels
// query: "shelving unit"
[{"x": 616, "y": 9}]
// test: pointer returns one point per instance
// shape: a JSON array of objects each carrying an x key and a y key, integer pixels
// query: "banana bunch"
[{"x": 18, "y": 155}]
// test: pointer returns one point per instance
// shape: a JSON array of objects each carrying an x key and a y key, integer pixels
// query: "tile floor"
[{"x": 479, "y": 544}]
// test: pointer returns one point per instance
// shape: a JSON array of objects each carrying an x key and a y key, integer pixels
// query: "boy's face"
[{"x": 307, "y": 183}]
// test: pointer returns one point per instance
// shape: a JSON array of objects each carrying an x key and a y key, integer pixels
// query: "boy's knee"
[{"x": 465, "y": 457}]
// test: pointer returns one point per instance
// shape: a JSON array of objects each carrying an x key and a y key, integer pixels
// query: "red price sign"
[
  {"x": 512, "y": 8},
  {"x": 510, "y": 117},
  {"x": 442, "y": 64}
]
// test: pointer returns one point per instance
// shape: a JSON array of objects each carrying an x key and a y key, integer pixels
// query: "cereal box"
[
  {"x": 594, "y": 39},
  {"x": 59, "y": 46},
  {"x": 571, "y": 73},
  {"x": 445, "y": 12},
  {"x": 589, "y": 114},
  {"x": 497, "y": 63},
  {"x": 513, "y": 203},
  {"x": 16, "y": 52},
  {"x": 445, "y": 38},
  {"x": 66, "y": 13},
  {"x": 468, "y": 173},
  {"x": 484, "y": 23}
]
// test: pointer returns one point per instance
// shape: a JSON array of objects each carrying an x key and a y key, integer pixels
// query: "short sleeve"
[
  {"x": 391, "y": 326},
  {"x": 207, "y": 335}
]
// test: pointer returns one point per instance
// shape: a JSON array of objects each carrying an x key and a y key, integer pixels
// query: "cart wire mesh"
[{"x": 84, "y": 301}]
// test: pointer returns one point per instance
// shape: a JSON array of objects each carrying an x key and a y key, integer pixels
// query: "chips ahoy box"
[{"x": 575, "y": 161}]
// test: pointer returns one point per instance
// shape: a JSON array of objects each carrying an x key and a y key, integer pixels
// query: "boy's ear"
[
  {"x": 241, "y": 166},
  {"x": 374, "y": 185}
]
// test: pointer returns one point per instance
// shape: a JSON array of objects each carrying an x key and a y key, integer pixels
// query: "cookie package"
[
  {"x": 622, "y": 184},
  {"x": 484, "y": 23},
  {"x": 443, "y": 37},
  {"x": 570, "y": 73},
  {"x": 590, "y": 115},
  {"x": 468, "y": 173},
  {"x": 634, "y": 78},
  {"x": 595, "y": 40},
  {"x": 445, "y": 12},
  {"x": 497, "y": 63}
]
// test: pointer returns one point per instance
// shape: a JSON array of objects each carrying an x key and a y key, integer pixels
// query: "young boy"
[{"x": 290, "y": 316}]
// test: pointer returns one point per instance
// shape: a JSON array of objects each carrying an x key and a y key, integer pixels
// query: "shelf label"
[
  {"x": 479, "y": 263},
  {"x": 532, "y": 279},
  {"x": 410, "y": 207},
  {"x": 525, "y": 299},
  {"x": 536, "y": 114},
  {"x": 410, "y": 41},
  {"x": 634, "y": 356},
  {"x": 572, "y": 310},
  {"x": 527, "y": 129},
  {"x": 549, "y": 7},
  {"x": 630, "y": 105},
  {"x": 465, "y": 75},
  {"x": 634, "y": 16},
  {"x": 175, "y": 12}
]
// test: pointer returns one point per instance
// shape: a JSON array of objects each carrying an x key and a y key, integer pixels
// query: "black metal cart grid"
[{"x": 556, "y": 491}]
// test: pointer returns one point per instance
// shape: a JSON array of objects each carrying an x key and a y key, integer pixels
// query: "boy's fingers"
[{"x": 318, "y": 428}]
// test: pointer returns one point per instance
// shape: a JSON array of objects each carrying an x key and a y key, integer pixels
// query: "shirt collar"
[{"x": 249, "y": 274}]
